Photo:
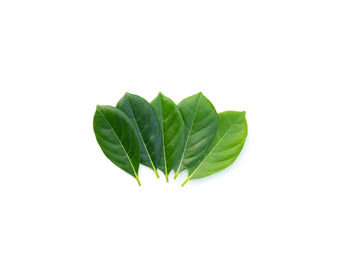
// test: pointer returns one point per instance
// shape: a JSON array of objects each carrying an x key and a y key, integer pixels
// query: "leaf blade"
[
  {"x": 147, "y": 126},
  {"x": 225, "y": 147},
  {"x": 201, "y": 121},
  {"x": 172, "y": 130},
  {"x": 117, "y": 138}
]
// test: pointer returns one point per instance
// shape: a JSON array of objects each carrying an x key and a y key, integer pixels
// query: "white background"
[{"x": 285, "y": 199}]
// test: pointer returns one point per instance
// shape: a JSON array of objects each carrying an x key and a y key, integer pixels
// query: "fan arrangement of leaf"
[{"x": 189, "y": 136}]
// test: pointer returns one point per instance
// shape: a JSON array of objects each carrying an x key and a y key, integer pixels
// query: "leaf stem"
[
  {"x": 166, "y": 177},
  {"x": 137, "y": 179},
  {"x": 176, "y": 174},
  {"x": 188, "y": 178},
  {"x": 155, "y": 170}
]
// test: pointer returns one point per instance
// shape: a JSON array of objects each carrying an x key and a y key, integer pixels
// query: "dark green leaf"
[
  {"x": 225, "y": 147},
  {"x": 201, "y": 122},
  {"x": 117, "y": 137},
  {"x": 172, "y": 128},
  {"x": 146, "y": 123}
]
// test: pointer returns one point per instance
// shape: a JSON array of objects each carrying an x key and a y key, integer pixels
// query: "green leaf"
[
  {"x": 147, "y": 126},
  {"x": 117, "y": 137},
  {"x": 201, "y": 122},
  {"x": 172, "y": 128},
  {"x": 225, "y": 147}
]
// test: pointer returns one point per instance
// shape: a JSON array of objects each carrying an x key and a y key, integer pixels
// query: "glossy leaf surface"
[
  {"x": 225, "y": 147},
  {"x": 117, "y": 137},
  {"x": 172, "y": 128},
  {"x": 201, "y": 121},
  {"x": 147, "y": 126}
]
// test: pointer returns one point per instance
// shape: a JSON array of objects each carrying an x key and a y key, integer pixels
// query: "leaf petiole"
[
  {"x": 155, "y": 171},
  {"x": 188, "y": 178},
  {"x": 137, "y": 179}
]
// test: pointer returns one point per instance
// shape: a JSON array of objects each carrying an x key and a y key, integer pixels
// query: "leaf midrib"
[
  {"x": 189, "y": 133},
  {"x": 149, "y": 157},
  {"x": 164, "y": 154}
]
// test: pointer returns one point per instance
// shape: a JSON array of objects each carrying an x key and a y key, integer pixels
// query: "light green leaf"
[
  {"x": 117, "y": 137},
  {"x": 146, "y": 123},
  {"x": 172, "y": 128},
  {"x": 225, "y": 147},
  {"x": 201, "y": 122}
]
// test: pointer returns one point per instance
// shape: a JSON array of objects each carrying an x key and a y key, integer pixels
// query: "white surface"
[{"x": 285, "y": 199}]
